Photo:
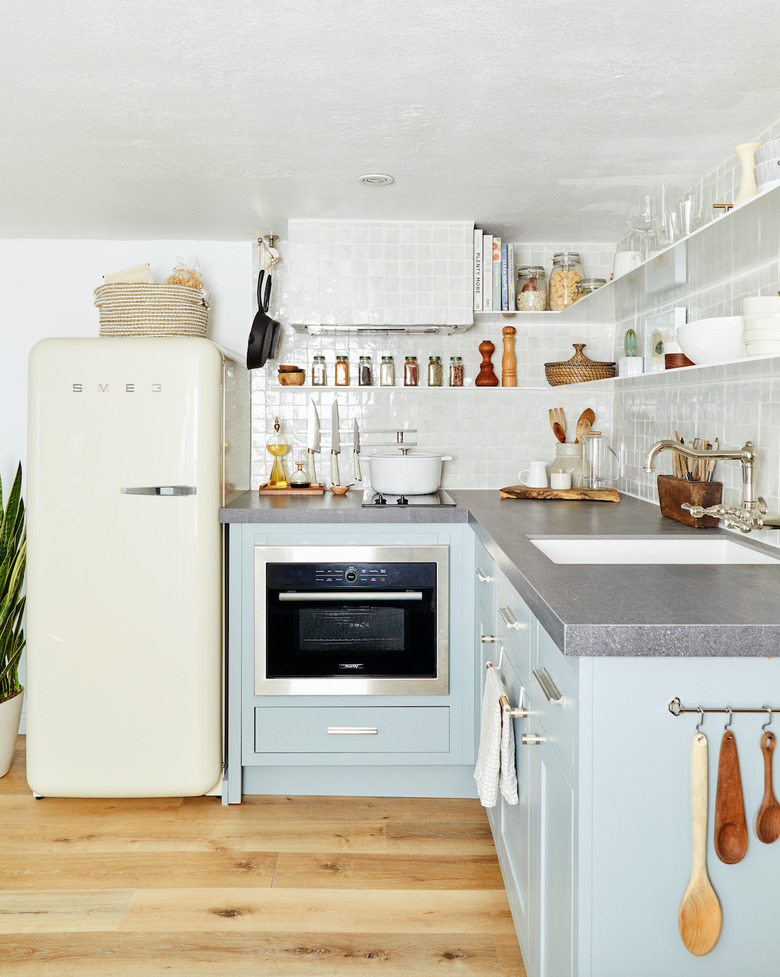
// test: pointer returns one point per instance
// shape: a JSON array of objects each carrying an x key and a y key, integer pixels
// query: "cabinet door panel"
[
  {"x": 556, "y": 855},
  {"x": 514, "y": 834}
]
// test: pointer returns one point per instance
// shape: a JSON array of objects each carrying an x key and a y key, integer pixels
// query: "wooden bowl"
[
  {"x": 339, "y": 489},
  {"x": 292, "y": 378}
]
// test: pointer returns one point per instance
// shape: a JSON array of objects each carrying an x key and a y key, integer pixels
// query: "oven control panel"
[{"x": 327, "y": 576}]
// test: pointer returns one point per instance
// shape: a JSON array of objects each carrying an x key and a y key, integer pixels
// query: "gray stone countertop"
[{"x": 590, "y": 610}]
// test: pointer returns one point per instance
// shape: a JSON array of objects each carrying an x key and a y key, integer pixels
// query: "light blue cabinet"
[
  {"x": 597, "y": 855},
  {"x": 392, "y": 745}
]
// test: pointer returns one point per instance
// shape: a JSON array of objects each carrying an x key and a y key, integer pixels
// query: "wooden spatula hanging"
[
  {"x": 731, "y": 833},
  {"x": 700, "y": 915}
]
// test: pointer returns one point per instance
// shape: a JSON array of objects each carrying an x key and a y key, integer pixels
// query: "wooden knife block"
[{"x": 672, "y": 492}]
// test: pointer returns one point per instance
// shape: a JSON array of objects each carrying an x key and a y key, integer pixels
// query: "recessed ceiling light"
[{"x": 376, "y": 179}]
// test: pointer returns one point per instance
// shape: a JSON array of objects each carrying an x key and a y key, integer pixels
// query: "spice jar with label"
[
  {"x": 364, "y": 372},
  {"x": 565, "y": 277},
  {"x": 387, "y": 372},
  {"x": 434, "y": 371},
  {"x": 410, "y": 371},
  {"x": 318, "y": 374},
  {"x": 342, "y": 371},
  {"x": 456, "y": 371},
  {"x": 531, "y": 289}
]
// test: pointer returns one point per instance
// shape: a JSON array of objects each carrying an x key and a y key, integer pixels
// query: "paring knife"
[
  {"x": 356, "y": 453},
  {"x": 312, "y": 442},
  {"x": 335, "y": 447}
]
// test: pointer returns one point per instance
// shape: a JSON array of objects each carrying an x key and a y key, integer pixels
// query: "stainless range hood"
[{"x": 380, "y": 276}]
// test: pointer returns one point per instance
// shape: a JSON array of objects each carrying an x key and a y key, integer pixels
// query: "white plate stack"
[
  {"x": 761, "y": 314},
  {"x": 767, "y": 168}
]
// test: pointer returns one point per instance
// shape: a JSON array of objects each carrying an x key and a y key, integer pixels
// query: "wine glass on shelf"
[
  {"x": 639, "y": 217},
  {"x": 667, "y": 216}
]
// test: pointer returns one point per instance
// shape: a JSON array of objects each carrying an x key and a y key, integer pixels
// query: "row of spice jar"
[
  {"x": 566, "y": 284},
  {"x": 410, "y": 374}
]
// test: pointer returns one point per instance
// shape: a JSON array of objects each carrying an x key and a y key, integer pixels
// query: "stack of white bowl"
[
  {"x": 714, "y": 340},
  {"x": 767, "y": 168},
  {"x": 761, "y": 314}
]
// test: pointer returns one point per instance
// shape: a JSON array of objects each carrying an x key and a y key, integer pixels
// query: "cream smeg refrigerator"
[{"x": 124, "y": 649}]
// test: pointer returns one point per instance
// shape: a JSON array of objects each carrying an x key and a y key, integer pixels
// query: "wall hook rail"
[{"x": 676, "y": 708}]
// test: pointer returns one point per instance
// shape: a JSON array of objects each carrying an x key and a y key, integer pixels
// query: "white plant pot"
[
  {"x": 395, "y": 474},
  {"x": 10, "y": 714}
]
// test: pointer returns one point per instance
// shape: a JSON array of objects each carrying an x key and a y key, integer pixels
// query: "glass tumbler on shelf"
[
  {"x": 531, "y": 289},
  {"x": 640, "y": 217},
  {"x": 565, "y": 276}
]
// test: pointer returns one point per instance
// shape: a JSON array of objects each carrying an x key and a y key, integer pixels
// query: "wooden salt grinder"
[
  {"x": 509, "y": 360},
  {"x": 486, "y": 377}
]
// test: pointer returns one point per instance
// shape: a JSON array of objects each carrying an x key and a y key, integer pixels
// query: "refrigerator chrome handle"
[{"x": 160, "y": 490}]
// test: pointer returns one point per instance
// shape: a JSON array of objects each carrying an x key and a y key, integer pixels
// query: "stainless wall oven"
[{"x": 354, "y": 620}]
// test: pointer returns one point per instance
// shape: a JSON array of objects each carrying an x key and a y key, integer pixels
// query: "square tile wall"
[{"x": 380, "y": 272}]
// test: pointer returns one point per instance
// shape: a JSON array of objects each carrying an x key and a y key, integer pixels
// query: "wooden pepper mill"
[
  {"x": 509, "y": 360},
  {"x": 486, "y": 377}
]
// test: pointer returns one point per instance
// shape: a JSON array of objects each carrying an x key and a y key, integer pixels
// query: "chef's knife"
[
  {"x": 312, "y": 442},
  {"x": 356, "y": 453},
  {"x": 335, "y": 446}
]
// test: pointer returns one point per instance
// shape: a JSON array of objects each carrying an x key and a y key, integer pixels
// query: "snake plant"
[{"x": 13, "y": 559}]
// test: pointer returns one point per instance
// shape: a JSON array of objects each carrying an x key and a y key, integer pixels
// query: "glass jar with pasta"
[{"x": 565, "y": 276}]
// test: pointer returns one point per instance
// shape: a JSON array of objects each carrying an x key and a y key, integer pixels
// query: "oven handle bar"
[{"x": 342, "y": 597}]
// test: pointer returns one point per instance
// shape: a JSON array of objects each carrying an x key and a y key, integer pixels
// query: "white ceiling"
[{"x": 209, "y": 120}]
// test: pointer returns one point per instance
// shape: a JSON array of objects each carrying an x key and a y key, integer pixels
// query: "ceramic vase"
[
  {"x": 10, "y": 714},
  {"x": 745, "y": 154}
]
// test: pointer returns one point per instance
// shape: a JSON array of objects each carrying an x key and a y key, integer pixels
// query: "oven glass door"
[{"x": 376, "y": 634}]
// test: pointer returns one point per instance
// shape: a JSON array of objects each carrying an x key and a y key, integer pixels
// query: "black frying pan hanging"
[{"x": 263, "y": 328}]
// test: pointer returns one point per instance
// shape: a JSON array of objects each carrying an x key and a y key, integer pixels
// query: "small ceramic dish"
[{"x": 339, "y": 489}]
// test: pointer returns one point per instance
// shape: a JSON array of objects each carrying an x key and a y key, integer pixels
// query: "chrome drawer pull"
[
  {"x": 514, "y": 712},
  {"x": 549, "y": 687},
  {"x": 361, "y": 596},
  {"x": 509, "y": 619},
  {"x": 531, "y": 739},
  {"x": 352, "y": 730},
  {"x": 160, "y": 490},
  {"x": 487, "y": 639},
  {"x": 483, "y": 577}
]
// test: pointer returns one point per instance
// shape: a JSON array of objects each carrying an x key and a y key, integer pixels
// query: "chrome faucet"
[{"x": 751, "y": 514}]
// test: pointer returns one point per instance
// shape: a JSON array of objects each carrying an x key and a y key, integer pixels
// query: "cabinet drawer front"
[
  {"x": 555, "y": 676},
  {"x": 484, "y": 576},
  {"x": 513, "y": 627},
  {"x": 380, "y": 729}
]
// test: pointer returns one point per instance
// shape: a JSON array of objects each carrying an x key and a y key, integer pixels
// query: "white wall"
[{"x": 47, "y": 290}]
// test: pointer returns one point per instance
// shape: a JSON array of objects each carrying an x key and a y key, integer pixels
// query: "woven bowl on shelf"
[{"x": 578, "y": 369}]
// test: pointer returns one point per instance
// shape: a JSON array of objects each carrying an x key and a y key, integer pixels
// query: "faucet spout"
[{"x": 747, "y": 454}]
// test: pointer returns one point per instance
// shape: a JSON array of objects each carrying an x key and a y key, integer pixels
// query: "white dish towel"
[{"x": 495, "y": 770}]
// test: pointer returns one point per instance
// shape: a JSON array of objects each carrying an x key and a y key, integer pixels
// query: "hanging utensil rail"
[{"x": 677, "y": 709}]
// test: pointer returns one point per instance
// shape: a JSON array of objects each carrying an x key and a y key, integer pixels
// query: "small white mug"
[
  {"x": 624, "y": 261},
  {"x": 537, "y": 474},
  {"x": 560, "y": 480}
]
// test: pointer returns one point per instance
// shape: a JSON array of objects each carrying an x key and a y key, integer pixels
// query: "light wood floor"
[{"x": 276, "y": 886}]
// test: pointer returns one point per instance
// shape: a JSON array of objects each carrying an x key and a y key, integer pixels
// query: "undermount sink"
[{"x": 704, "y": 550}]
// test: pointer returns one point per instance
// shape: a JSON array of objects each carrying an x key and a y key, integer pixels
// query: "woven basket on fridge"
[
  {"x": 578, "y": 369},
  {"x": 151, "y": 310}
]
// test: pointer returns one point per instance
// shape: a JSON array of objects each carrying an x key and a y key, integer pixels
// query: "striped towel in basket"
[{"x": 495, "y": 769}]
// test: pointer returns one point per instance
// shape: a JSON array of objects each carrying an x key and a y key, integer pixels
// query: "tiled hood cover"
[{"x": 381, "y": 275}]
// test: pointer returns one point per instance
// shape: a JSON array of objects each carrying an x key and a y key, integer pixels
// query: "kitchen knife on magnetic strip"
[
  {"x": 312, "y": 442},
  {"x": 335, "y": 445},
  {"x": 356, "y": 453}
]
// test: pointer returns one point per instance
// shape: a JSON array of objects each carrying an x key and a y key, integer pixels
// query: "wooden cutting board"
[{"x": 571, "y": 495}]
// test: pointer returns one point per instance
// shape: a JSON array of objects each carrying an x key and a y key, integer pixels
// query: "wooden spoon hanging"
[
  {"x": 731, "y": 833},
  {"x": 700, "y": 915},
  {"x": 768, "y": 817}
]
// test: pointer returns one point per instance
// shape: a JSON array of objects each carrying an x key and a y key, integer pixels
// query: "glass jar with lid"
[
  {"x": 342, "y": 371},
  {"x": 589, "y": 285},
  {"x": 318, "y": 375},
  {"x": 410, "y": 371},
  {"x": 456, "y": 371},
  {"x": 434, "y": 371},
  {"x": 531, "y": 289},
  {"x": 565, "y": 276},
  {"x": 365, "y": 378},
  {"x": 387, "y": 372}
]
